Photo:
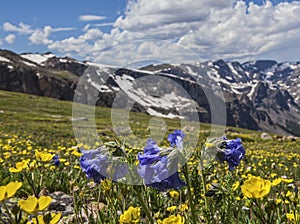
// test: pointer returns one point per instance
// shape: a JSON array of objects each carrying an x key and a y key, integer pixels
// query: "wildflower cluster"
[
  {"x": 131, "y": 215},
  {"x": 98, "y": 165},
  {"x": 260, "y": 185},
  {"x": 230, "y": 151},
  {"x": 154, "y": 167}
]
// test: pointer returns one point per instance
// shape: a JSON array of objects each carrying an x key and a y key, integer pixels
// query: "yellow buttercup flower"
[
  {"x": 43, "y": 156},
  {"x": 132, "y": 215},
  {"x": 291, "y": 217},
  {"x": 183, "y": 207},
  {"x": 40, "y": 219},
  {"x": 33, "y": 204},
  {"x": 273, "y": 175},
  {"x": 9, "y": 190},
  {"x": 256, "y": 187},
  {"x": 106, "y": 184},
  {"x": 173, "y": 219},
  {"x": 171, "y": 209},
  {"x": 235, "y": 185},
  {"x": 276, "y": 181},
  {"x": 174, "y": 194},
  {"x": 20, "y": 166},
  {"x": 209, "y": 145},
  {"x": 288, "y": 194},
  {"x": 286, "y": 180}
]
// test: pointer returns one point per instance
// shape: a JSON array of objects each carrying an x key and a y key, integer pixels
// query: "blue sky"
[{"x": 134, "y": 30}]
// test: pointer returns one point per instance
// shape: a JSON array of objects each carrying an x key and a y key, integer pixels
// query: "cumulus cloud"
[
  {"x": 103, "y": 24},
  {"x": 142, "y": 15},
  {"x": 83, "y": 45},
  {"x": 10, "y": 38},
  {"x": 226, "y": 29},
  {"x": 42, "y": 36},
  {"x": 86, "y": 18},
  {"x": 21, "y": 28},
  {"x": 213, "y": 29}
]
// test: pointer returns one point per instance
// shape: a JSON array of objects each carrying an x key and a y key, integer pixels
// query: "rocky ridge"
[{"x": 259, "y": 95}]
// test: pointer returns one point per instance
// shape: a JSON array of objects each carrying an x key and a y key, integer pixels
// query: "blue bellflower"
[
  {"x": 233, "y": 153},
  {"x": 55, "y": 160},
  {"x": 153, "y": 168},
  {"x": 95, "y": 164},
  {"x": 176, "y": 138}
]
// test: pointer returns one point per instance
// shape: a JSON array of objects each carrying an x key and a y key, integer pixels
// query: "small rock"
[
  {"x": 188, "y": 128},
  {"x": 79, "y": 119},
  {"x": 292, "y": 138},
  {"x": 61, "y": 202},
  {"x": 230, "y": 130},
  {"x": 266, "y": 136}
]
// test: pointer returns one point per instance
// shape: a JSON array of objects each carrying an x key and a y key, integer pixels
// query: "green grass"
[
  {"x": 29, "y": 123},
  {"x": 52, "y": 118}
]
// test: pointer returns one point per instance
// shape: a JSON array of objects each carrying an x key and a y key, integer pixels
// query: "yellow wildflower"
[
  {"x": 209, "y": 145},
  {"x": 256, "y": 187},
  {"x": 288, "y": 194},
  {"x": 291, "y": 217},
  {"x": 235, "y": 185},
  {"x": 132, "y": 215},
  {"x": 173, "y": 219},
  {"x": 276, "y": 182},
  {"x": 106, "y": 184},
  {"x": 33, "y": 204},
  {"x": 286, "y": 180},
  {"x": 183, "y": 207},
  {"x": 43, "y": 156},
  {"x": 174, "y": 194},
  {"x": 19, "y": 166},
  {"x": 171, "y": 209},
  {"x": 9, "y": 190}
]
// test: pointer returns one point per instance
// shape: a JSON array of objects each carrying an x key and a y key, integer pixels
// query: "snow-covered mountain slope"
[{"x": 261, "y": 95}]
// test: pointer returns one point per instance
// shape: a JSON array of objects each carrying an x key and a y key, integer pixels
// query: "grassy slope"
[{"x": 50, "y": 119}]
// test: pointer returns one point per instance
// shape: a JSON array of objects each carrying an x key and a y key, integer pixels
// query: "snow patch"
[
  {"x": 28, "y": 63},
  {"x": 4, "y": 59},
  {"x": 233, "y": 70},
  {"x": 37, "y": 58}
]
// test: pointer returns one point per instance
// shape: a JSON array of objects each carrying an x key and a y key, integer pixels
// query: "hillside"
[
  {"x": 33, "y": 124},
  {"x": 258, "y": 95}
]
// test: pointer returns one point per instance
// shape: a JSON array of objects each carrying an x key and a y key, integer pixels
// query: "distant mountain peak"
[{"x": 261, "y": 95}]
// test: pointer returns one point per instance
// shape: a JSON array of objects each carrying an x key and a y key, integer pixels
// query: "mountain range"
[{"x": 260, "y": 95}]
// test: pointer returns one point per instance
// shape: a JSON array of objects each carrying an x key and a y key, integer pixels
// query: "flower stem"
[
  {"x": 31, "y": 184},
  {"x": 203, "y": 181},
  {"x": 144, "y": 205},
  {"x": 8, "y": 213},
  {"x": 188, "y": 183}
]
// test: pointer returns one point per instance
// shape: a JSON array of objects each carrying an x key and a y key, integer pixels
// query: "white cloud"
[
  {"x": 224, "y": 29},
  {"x": 10, "y": 38},
  {"x": 91, "y": 18},
  {"x": 42, "y": 36},
  {"x": 21, "y": 29},
  {"x": 83, "y": 45},
  {"x": 216, "y": 29},
  {"x": 143, "y": 14},
  {"x": 86, "y": 27},
  {"x": 103, "y": 24}
]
